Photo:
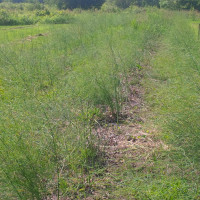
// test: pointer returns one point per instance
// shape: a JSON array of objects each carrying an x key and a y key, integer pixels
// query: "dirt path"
[{"x": 126, "y": 142}]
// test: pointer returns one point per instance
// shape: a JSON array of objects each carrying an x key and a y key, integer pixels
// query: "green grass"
[
  {"x": 51, "y": 89},
  {"x": 55, "y": 89},
  {"x": 173, "y": 96},
  {"x": 176, "y": 71},
  {"x": 19, "y": 34}
]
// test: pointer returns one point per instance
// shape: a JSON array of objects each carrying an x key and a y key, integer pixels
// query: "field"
[{"x": 100, "y": 105}]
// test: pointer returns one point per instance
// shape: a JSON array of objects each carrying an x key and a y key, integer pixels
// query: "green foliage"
[
  {"x": 182, "y": 107},
  {"x": 51, "y": 104},
  {"x": 84, "y": 4},
  {"x": 124, "y": 4},
  {"x": 127, "y": 3},
  {"x": 56, "y": 19},
  {"x": 42, "y": 12},
  {"x": 175, "y": 104},
  {"x": 88, "y": 4},
  {"x": 34, "y": 6},
  {"x": 180, "y": 4},
  {"x": 189, "y": 4},
  {"x": 13, "y": 16},
  {"x": 109, "y": 7},
  {"x": 171, "y": 4},
  {"x": 56, "y": 89}
]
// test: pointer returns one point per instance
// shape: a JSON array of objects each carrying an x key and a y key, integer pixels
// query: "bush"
[
  {"x": 26, "y": 20},
  {"x": 171, "y": 4},
  {"x": 109, "y": 7},
  {"x": 42, "y": 12},
  {"x": 35, "y": 6},
  {"x": 56, "y": 18},
  {"x": 124, "y": 3},
  {"x": 10, "y": 17},
  {"x": 84, "y": 4},
  {"x": 6, "y": 19}
]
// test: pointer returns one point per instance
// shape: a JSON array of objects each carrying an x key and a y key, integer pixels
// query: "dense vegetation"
[
  {"x": 99, "y": 104},
  {"x": 28, "y": 14},
  {"x": 85, "y": 4}
]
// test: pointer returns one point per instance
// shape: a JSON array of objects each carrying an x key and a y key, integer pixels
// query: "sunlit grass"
[{"x": 57, "y": 81}]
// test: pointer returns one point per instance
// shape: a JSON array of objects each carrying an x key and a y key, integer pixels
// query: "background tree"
[
  {"x": 84, "y": 4},
  {"x": 171, "y": 4},
  {"x": 127, "y": 3},
  {"x": 87, "y": 4},
  {"x": 188, "y": 4}
]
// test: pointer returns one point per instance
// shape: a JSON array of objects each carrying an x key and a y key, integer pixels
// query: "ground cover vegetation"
[
  {"x": 28, "y": 14},
  {"x": 99, "y": 104},
  {"x": 85, "y": 4}
]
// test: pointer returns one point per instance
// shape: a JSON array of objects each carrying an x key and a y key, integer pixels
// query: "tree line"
[{"x": 87, "y": 4}]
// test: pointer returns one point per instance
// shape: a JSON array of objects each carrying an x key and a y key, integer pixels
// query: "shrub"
[
  {"x": 9, "y": 17},
  {"x": 6, "y": 19},
  {"x": 42, "y": 12},
  {"x": 35, "y": 6},
  {"x": 56, "y": 19},
  {"x": 171, "y": 4},
  {"x": 109, "y": 7},
  {"x": 124, "y": 3}
]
